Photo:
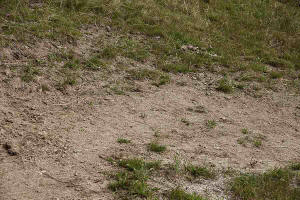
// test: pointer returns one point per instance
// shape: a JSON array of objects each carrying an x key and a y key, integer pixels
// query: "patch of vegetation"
[
  {"x": 225, "y": 85},
  {"x": 295, "y": 166},
  {"x": 133, "y": 181},
  {"x": 211, "y": 124},
  {"x": 134, "y": 186},
  {"x": 123, "y": 141},
  {"x": 245, "y": 131},
  {"x": 109, "y": 53},
  {"x": 29, "y": 73},
  {"x": 138, "y": 164},
  {"x": 273, "y": 184},
  {"x": 133, "y": 49},
  {"x": 244, "y": 140},
  {"x": 255, "y": 139},
  {"x": 163, "y": 80},
  {"x": 159, "y": 78},
  {"x": 198, "y": 171},
  {"x": 72, "y": 64},
  {"x": 94, "y": 63},
  {"x": 276, "y": 74},
  {"x": 179, "y": 194},
  {"x": 155, "y": 147},
  {"x": 243, "y": 37},
  {"x": 176, "y": 68},
  {"x": 257, "y": 67},
  {"x": 116, "y": 89},
  {"x": 257, "y": 143},
  {"x": 70, "y": 79}
]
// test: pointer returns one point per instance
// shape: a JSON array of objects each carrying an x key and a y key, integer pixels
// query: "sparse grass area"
[
  {"x": 117, "y": 89},
  {"x": 243, "y": 37},
  {"x": 199, "y": 171},
  {"x": 155, "y": 147},
  {"x": 29, "y": 72},
  {"x": 158, "y": 78},
  {"x": 94, "y": 63},
  {"x": 275, "y": 74},
  {"x": 255, "y": 139},
  {"x": 179, "y": 194},
  {"x": 132, "y": 182},
  {"x": 138, "y": 164},
  {"x": 225, "y": 85},
  {"x": 123, "y": 141},
  {"x": 176, "y": 68},
  {"x": 282, "y": 183}
]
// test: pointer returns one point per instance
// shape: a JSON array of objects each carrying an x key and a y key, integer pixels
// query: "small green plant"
[
  {"x": 198, "y": 171},
  {"x": 123, "y": 141},
  {"x": 211, "y": 124},
  {"x": 245, "y": 131},
  {"x": 225, "y": 85},
  {"x": 257, "y": 143},
  {"x": 155, "y": 147},
  {"x": 179, "y": 194},
  {"x": 244, "y": 140}
]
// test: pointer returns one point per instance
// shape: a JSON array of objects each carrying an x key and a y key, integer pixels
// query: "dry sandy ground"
[{"x": 61, "y": 140}]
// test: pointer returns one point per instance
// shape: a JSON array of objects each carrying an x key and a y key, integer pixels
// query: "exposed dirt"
[{"x": 59, "y": 141}]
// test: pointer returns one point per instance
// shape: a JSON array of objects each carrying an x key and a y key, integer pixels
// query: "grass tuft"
[
  {"x": 133, "y": 181},
  {"x": 123, "y": 141},
  {"x": 211, "y": 124},
  {"x": 198, "y": 171},
  {"x": 225, "y": 85},
  {"x": 179, "y": 194},
  {"x": 155, "y": 147}
]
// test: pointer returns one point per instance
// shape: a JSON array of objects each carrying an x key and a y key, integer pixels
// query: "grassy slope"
[{"x": 247, "y": 41}]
